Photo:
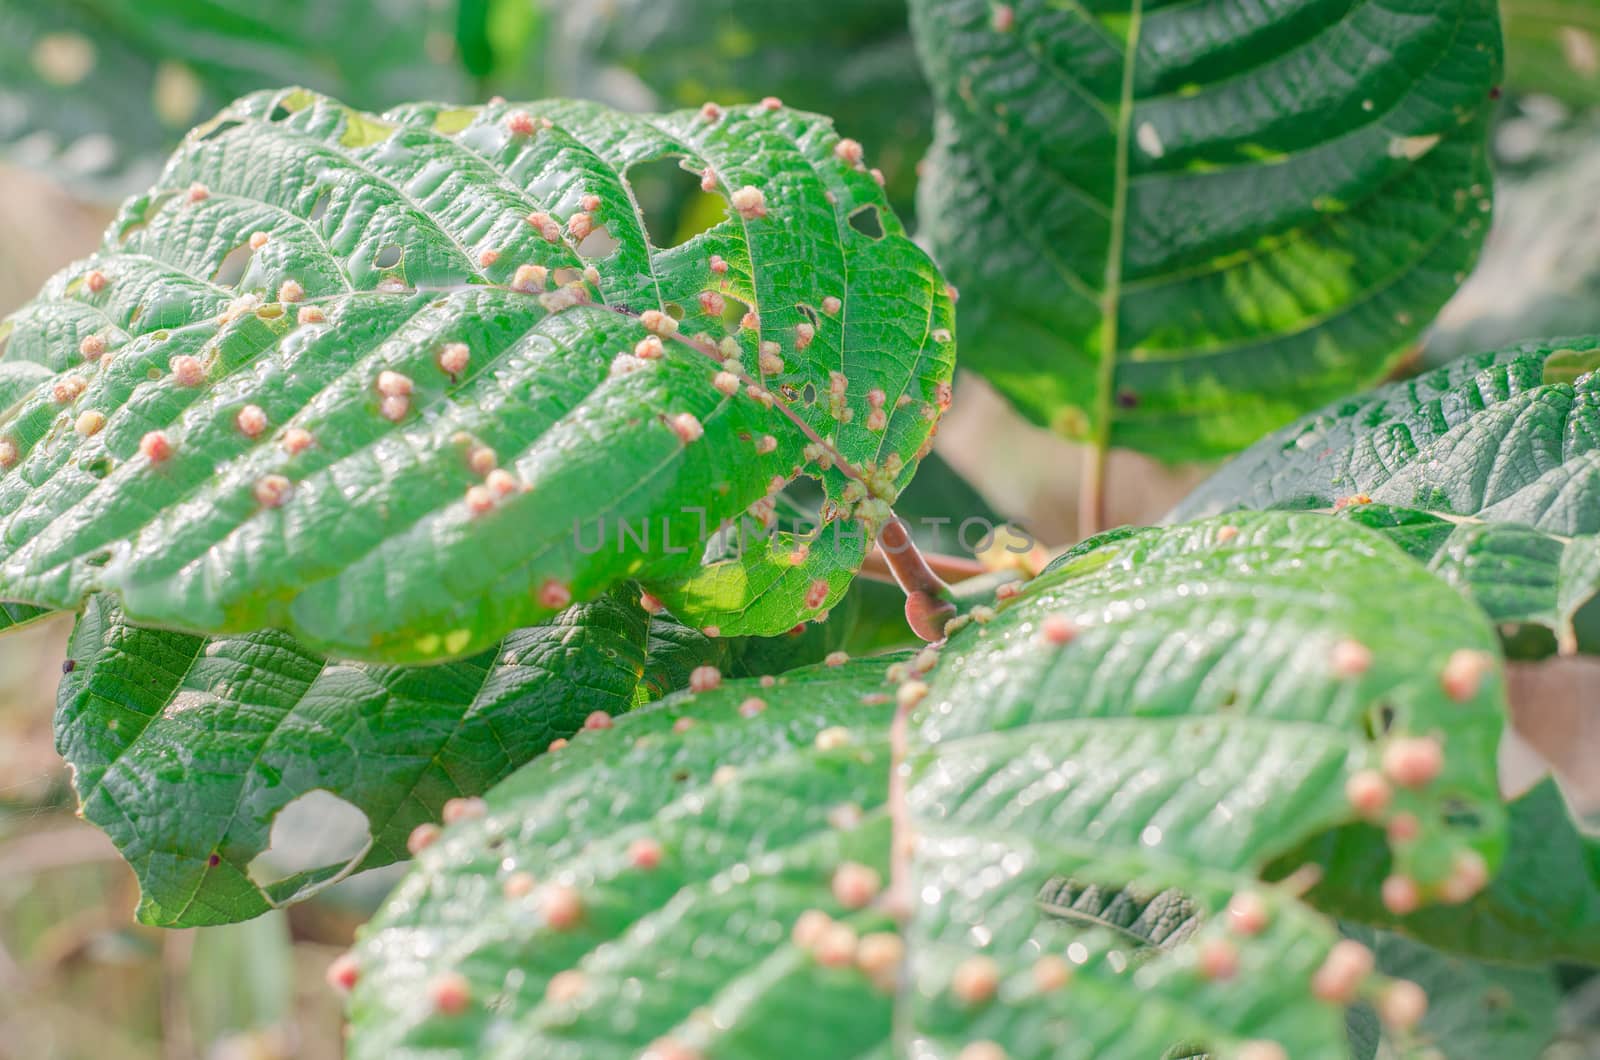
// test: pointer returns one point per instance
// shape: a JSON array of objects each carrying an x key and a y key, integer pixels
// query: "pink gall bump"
[
  {"x": 562, "y": 906},
  {"x": 343, "y": 973},
  {"x": 296, "y": 440},
  {"x": 1226, "y": 534},
  {"x": 1464, "y": 672},
  {"x": 771, "y": 103},
  {"x": 272, "y": 490},
  {"x": 520, "y": 123},
  {"x": 557, "y": 744},
  {"x": 713, "y": 303},
  {"x": 1248, "y": 913},
  {"x": 155, "y": 447},
  {"x": 657, "y": 321},
  {"x": 1401, "y": 895},
  {"x": 454, "y": 357},
  {"x": 501, "y": 483},
  {"x": 1050, "y": 973},
  {"x": 310, "y": 314},
  {"x": 591, "y": 275},
  {"x": 855, "y": 885},
  {"x": 469, "y": 808},
  {"x": 880, "y": 954},
  {"x": 187, "y": 370},
  {"x": 393, "y": 384},
  {"x": 749, "y": 202},
  {"x": 488, "y": 257},
  {"x": 566, "y": 986},
  {"x": 710, "y": 112},
  {"x": 479, "y": 500},
  {"x": 1413, "y": 762},
  {"x": 1218, "y": 960},
  {"x": 580, "y": 225},
  {"x": 704, "y": 679},
  {"x": 877, "y": 175},
  {"x": 92, "y": 347},
  {"x": 65, "y": 391},
  {"x": 529, "y": 278},
  {"x": 836, "y": 946},
  {"x": 651, "y": 604},
  {"x": 832, "y": 305},
  {"x": 290, "y": 291},
  {"x": 816, "y": 594},
  {"x": 849, "y": 152},
  {"x": 649, "y": 348},
  {"x": 598, "y": 720},
  {"x": 711, "y": 631},
  {"x": 910, "y": 694},
  {"x": 259, "y": 240},
  {"x": 450, "y": 993},
  {"x": 9, "y": 454},
  {"x": 1339, "y": 979},
  {"x": 96, "y": 281},
  {"x": 1058, "y": 630},
  {"x": 751, "y": 321},
  {"x": 197, "y": 193},
  {"x": 90, "y": 423},
  {"x": 1403, "y": 828},
  {"x": 1368, "y": 793},
  {"x": 590, "y": 203},
  {"x": 770, "y": 359},
  {"x": 1469, "y": 874},
  {"x": 804, "y": 332},
  {"x": 1401, "y": 1005},
  {"x": 554, "y": 595},
  {"x": 1350, "y": 658},
  {"x": 708, "y": 180},
  {"x": 422, "y": 837},
  {"x": 686, "y": 426},
  {"x": 877, "y": 420},
  {"x": 718, "y": 265},
  {"x": 518, "y": 885},
  {"x": 752, "y": 707},
  {"x": 809, "y": 927},
  {"x": 644, "y": 854},
  {"x": 976, "y": 980},
  {"x": 766, "y": 444},
  {"x": 726, "y": 383},
  {"x": 683, "y": 725},
  {"x": 395, "y": 408}
]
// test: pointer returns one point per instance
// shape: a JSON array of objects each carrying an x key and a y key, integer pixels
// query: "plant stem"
[
  {"x": 927, "y": 605},
  {"x": 950, "y": 568},
  {"x": 1092, "y": 506}
]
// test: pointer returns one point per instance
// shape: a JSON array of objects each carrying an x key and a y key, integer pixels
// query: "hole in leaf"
[
  {"x": 674, "y": 310},
  {"x": 598, "y": 244},
  {"x": 810, "y": 314},
  {"x": 670, "y": 200},
  {"x": 315, "y": 830},
  {"x": 809, "y": 394},
  {"x": 320, "y": 207},
  {"x": 219, "y": 128},
  {"x": 99, "y": 467},
  {"x": 1378, "y": 721},
  {"x": 230, "y": 270},
  {"x": 101, "y": 558},
  {"x": 565, "y": 275},
  {"x": 733, "y": 312},
  {"x": 867, "y": 222},
  {"x": 389, "y": 257}
]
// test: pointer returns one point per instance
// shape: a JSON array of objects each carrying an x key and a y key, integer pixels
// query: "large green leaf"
[
  {"x": 1485, "y": 468},
  {"x": 665, "y": 862},
  {"x": 306, "y": 490},
  {"x": 185, "y": 748},
  {"x": 1177, "y": 225},
  {"x": 852, "y": 59},
  {"x": 99, "y": 90}
]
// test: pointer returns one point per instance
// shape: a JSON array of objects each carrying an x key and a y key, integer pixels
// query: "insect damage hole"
[
  {"x": 318, "y": 830},
  {"x": 672, "y": 200},
  {"x": 232, "y": 267},
  {"x": 388, "y": 257},
  {"x": 867, "y": 222}
]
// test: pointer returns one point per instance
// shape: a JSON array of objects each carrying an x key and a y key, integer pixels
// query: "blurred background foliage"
[{"x": 93, "y": 94}]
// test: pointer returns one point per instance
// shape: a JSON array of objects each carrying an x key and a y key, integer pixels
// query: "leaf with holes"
[
  {"x": 715, "y": 871},
  {"x": 185, "y": 749},
  {"x": 399, "y": 385},
  {"x": 98, "y": 90},
  {"x": 1495, "y": 460},
  {"x": 1175, "y": 226}
]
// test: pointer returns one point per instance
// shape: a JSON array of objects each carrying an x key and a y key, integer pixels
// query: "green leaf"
[
  {"x": 344, "y": 515},
  {"x": 185, "y": 748},
  {"x": 1156, "y": 248},
  {"x": 99, "y": 90},
  {"x": 1483, "y": 468},
  {"x": 15, "y": 616},
  {"x": 665, "y": 862},
  {"x": 689, "y": 51},
  {"x": 1195, "y": 729},
  {"x": 1476, "y": 1011},
  {"x": 1544, "y": 904}
]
